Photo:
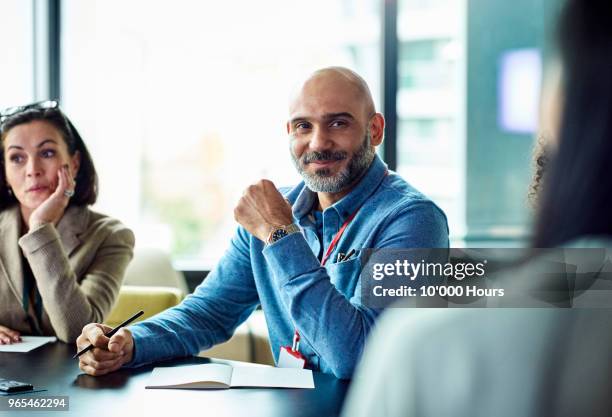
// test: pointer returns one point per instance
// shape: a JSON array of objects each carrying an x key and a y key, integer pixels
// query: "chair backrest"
[
  {"x": 151, "y": 300},
  {"x": 153, "y": 268}
]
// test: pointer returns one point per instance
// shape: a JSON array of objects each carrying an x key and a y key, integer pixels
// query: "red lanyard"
[
  {"x": 332, "y": 245},
  {"x": 339, "y": 234},
  {"x": 336, "y": 238}
]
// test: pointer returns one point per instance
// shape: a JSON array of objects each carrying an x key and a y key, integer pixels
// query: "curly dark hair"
[
  {"x": 541, "y": 159},
  {"x": 86, "y": 190}
]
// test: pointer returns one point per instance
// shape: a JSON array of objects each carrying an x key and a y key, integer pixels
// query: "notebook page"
[
  {"x": 209, "y": 375},
  {"x": 27, "y": 344},
  {"x": 271, "y": 377}
]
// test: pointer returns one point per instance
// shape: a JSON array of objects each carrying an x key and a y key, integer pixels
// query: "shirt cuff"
[
  {"x": 290, "y": 257},
  {"x": 139, "y": 356},
  {"x": 38, "y": 238}
]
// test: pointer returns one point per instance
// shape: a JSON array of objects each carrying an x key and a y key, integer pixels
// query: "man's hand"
[
  {"x": 52, "y": 209},
  {"x": 8, "y": 336},
  {"x": 108, "y": 355},
  {"x": 261, "y": 209}
]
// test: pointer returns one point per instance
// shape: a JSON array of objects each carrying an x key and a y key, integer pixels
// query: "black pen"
[
  {"x": 111, "y": 333},
  {"x": 348, "y": 255}
]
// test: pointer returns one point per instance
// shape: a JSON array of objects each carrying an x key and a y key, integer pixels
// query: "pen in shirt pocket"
[{"x": 343, "y": 258}]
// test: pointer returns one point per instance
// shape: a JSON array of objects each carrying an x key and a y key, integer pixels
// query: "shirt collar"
[{"x": 350, "y": 202}]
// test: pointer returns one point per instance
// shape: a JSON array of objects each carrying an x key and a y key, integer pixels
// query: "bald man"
[{"x": 297, "y": 250}]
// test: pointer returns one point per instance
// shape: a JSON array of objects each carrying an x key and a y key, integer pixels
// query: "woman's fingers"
[
  {"x": 8, "y": 336},
  {"x": 63, "y": 182},
  {"x": 70, "y": 178}
]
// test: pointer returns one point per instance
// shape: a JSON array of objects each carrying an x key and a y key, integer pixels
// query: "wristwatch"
[{"x": 280, "y": 232}]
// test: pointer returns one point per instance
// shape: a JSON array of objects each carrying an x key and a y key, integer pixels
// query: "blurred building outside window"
[{"x": 431, "y": 103}]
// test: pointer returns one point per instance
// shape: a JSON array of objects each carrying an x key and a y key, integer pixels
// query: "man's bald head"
[
  {"x": 340, "y": 79},
  {"x": 350, "y": 77}
]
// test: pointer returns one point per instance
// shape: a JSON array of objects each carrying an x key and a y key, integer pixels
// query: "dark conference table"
[{"x": 122, "y": 393}]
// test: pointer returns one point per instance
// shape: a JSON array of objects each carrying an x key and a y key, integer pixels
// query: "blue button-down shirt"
[{"x": 288, "y": 281}]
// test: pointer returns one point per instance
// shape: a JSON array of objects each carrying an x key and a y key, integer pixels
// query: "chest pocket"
[{"x": 345, "y": 275}]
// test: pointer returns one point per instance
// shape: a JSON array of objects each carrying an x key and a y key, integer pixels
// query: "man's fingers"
[
  {"x": 109, "y": 354},
  {"x": 99, "y": 355},
  {"x": 102, "y": 365},
  {"x": 99, "y": 362},
  {"x": 88, "y": 369},
  {"x": 97, "y": 338},
  {"x": 94, "y": 362},
  {"x": 81, "y": 341},
  {"x": 267, "y": 184},
  {"x": 119, "y": 340},
  {"x": 94, "y": 333}
]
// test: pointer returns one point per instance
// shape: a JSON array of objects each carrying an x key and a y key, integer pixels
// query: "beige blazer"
[{"x": 78, "y": 267}]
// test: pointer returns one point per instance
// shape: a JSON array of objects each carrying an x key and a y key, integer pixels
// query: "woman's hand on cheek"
[{"x": 52, "y": 209}]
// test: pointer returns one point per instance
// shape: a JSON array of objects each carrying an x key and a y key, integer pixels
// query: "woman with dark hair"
[
  {"x": 61, "y": 264},
  {"x": 525, "y": 361},
  {"x": 576, "y": 199}
]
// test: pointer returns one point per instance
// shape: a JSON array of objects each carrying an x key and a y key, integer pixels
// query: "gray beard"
[{"x": 322, "y": 181}]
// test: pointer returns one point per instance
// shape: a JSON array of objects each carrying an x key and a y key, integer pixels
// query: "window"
[
  {"x": 184, "y": 103},
  {"x": 17, "y": 71},
  {"x": 431, "y": 113}
]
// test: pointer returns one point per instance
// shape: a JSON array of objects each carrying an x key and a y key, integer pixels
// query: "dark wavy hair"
[
  {"x": 86, "y": 191},
  {"x": 576, "y": 195}
]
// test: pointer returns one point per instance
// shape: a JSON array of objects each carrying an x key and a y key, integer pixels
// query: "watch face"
[{"x": 278, "y": 233}]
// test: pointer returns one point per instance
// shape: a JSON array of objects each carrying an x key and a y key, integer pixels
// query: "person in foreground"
[
  {"x": 61, "y": 264},
  {"x": 521, "y": 362},
  {"x": 283, "y": 256}
]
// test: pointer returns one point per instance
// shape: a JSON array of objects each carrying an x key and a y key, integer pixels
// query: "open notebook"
[{"x": 220, "y": 376}]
